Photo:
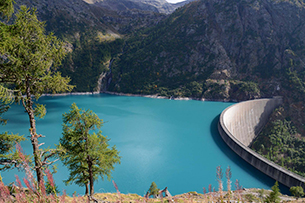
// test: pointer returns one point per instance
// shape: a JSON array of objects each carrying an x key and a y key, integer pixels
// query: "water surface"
[{"x": 173, "y": 143}]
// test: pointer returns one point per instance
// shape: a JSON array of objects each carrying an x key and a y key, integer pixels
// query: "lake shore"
[{"x": 156, "y": 96}]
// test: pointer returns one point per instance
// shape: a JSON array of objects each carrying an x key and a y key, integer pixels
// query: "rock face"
[
  {"x": 70, "y": 16},
  {"x": 160, "y": 6}
]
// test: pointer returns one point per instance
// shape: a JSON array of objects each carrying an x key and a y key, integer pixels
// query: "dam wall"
[{"x": 239, "y": 124}]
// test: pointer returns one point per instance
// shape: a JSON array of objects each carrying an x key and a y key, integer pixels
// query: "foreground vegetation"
[
  {"x": 15, "y": 192},
  {"x": 20, "y": 195}
]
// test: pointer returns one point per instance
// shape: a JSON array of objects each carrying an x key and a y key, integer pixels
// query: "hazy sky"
[{"x": 174, "y": 1}]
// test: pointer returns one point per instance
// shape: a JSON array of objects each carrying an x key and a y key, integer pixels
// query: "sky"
[{"x": 174, "y": 1}]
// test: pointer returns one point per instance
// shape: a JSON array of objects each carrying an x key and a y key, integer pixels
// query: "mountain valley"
[{"x": 203, "y": 49}]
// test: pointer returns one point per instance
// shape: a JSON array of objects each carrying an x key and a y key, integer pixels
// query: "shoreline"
[{"x": 137, "y": 95}]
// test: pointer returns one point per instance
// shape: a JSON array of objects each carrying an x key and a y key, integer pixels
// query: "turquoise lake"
[{"x": 173, "y": 143}]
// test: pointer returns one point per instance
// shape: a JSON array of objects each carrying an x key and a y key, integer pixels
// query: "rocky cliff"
[
  {"x": 65, "y": 18},
  {"x": 160, "y": 6}
]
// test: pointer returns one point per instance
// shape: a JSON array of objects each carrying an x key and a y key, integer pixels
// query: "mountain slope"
[
  {"x": 91, "y": 32},
  {"x": 219, "y": 40}
]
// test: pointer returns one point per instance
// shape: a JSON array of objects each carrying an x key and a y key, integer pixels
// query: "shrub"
[{"x": 297, "y": 191}]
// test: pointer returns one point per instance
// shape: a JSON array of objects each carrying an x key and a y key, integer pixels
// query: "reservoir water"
[{"x": 173, "y": 143}]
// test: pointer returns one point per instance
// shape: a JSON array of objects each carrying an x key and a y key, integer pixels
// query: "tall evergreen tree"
[
  {"x": 86, "y": 153},
  {"x": 28, "y": 61}
]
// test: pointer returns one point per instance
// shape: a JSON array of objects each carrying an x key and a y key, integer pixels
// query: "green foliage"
[
  {"x": 295, "y": 83},
  {"x": 29, "y": 59},
  {"x": 86, "y": 154},
  {"x": 50, "y": 189},
  {"x": 278, "y": 142},
  {"x": 274, "y": 196},
  {"x": 6, "y": 8},
  {"x": 8, "y": 155},
  {"x": 261, "y": 194},
  {"x": 40, "y": 110},
  {"x": 297, "y": 191},
  {"x": 6, "y": 95},
  {"x": 3, "y": 109},
  {"x": 250, "y": 198},
  {"x": 153, "y": 189},
  {"x": 37, "y": 56}
]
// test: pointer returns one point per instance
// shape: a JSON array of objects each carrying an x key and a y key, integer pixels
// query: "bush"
[
  {"x": 274, "y": 196},
  {"x": 297, "y": 191}
]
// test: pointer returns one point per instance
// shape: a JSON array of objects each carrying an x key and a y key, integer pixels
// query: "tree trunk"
[
  {"x": 87, "y": 189},
  {"x": 90, "y": 176},
  {"x": 34, "y": 138}
]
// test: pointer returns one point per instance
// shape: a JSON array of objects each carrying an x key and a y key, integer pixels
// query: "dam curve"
[{"x": 239, "y": 125}]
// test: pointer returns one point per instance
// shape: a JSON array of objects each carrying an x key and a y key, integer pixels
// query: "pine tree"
[
  {"x": 86, "y": 153},
  {"x": 153, "y": 189},
  {"x": 274, "y": 196},
  {"x": 28, "y": 61}
]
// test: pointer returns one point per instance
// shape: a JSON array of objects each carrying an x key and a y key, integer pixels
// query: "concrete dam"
[{"x": 239, "y": 125}]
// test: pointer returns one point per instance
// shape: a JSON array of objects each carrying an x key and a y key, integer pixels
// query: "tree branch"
[{"x": 46, "y": 164}]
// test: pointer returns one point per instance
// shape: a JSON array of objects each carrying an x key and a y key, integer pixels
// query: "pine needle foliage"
[
  {"x": 6, "y": 8},
  {"x": 86, "y": 153}
]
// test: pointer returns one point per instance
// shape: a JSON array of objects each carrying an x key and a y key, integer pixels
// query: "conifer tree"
[
  {"x": 153, "y": 189},
  {"x": 86, "y": 153},
  {"x": 28, "y": 61},
  {"x": 274, "y": 196}
]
